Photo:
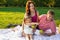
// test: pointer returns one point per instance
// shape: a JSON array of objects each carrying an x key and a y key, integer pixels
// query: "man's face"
[{"x": 49, "y": 16}]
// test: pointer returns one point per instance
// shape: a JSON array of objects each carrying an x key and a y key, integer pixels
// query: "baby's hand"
[{"x": 23, "y": 34}]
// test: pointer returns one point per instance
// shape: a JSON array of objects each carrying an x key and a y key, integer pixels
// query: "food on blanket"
[{"x": 41, "y": 32}]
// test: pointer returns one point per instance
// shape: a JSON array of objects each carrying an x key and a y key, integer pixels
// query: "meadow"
[{"x": 14, "y": 15}]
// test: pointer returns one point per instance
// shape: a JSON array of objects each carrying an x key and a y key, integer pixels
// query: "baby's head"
[{"x": 27, "y": 20}]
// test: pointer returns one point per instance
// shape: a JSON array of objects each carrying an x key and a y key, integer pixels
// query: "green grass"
[
  {"x": 12, "y": 9},
  {"x": 15, "y": 15},
  {"x": 10, "y": 18},
  {"x": 42, "y": 10}
]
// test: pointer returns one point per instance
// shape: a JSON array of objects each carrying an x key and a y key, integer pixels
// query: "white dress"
[{"x": 27, "y": 29}]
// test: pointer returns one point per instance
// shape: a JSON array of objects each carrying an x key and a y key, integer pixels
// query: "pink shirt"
[{"x": 44, "y": 24}]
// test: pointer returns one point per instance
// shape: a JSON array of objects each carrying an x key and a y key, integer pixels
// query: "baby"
[{"x": 27, "y": 28}]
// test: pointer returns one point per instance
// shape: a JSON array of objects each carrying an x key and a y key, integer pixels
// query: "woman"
[{"x": 31, "y": 12}]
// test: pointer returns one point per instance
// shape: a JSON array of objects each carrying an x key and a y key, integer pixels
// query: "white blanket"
[{"x": 8, "y": 34}]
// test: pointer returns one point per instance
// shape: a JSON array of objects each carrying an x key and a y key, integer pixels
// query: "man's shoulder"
[{"x": 43, "y": 15}]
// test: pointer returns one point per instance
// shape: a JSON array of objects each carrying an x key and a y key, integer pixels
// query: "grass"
[
  {"x": 10, "y": 18},
  {"x": 15, "y": 15}
]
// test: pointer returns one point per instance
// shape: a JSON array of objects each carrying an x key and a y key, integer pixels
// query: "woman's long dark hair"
[{"x": 28, "y": 7}]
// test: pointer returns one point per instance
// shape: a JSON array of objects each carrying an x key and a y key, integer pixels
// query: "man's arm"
[{"x": 53, "y": 28}]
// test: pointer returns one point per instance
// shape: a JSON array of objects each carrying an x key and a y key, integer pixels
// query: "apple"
[
  {"x": 33, "y": 26},
  {"x": 41, "y": 31}
]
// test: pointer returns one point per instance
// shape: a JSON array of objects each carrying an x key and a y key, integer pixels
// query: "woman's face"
[{"x": 31, "y": 7}]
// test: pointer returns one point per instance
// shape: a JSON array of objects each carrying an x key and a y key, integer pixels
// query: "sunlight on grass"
[
  {"x": 13, "y": 18},
  {"x": 10, "y": 18}
]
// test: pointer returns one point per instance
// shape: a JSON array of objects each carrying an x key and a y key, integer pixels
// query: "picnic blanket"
[{"x": 8, "y": 34}]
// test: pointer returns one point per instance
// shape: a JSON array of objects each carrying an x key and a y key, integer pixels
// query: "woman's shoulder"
[{"x": 25, "y": 15}]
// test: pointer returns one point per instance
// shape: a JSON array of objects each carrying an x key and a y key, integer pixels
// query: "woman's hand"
[{"x": 34, "y": 23}]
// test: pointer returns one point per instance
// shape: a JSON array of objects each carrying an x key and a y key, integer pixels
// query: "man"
[{"x": 46, "y": 22}]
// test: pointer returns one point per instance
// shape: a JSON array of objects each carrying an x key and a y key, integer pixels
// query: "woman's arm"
[
  {"x": 23, "y": 23},
  {"x": 22, "y": 26}
]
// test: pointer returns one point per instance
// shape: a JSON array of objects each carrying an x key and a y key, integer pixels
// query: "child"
[{"x": 27, "y": 29}]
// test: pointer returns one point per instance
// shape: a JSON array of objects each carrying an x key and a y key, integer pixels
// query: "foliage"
[
  {"x": 10, "y": 18},
  {"x": 22, "y": 3}
]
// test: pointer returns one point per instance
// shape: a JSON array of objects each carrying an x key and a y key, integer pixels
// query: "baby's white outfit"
[{"x": 27, "y": 29}]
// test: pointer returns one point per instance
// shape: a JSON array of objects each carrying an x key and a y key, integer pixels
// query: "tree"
[
  {"x": 49, "y": 3},
  {"x": 57, "y": 3},
  {"x": 2, "y": 2}
]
